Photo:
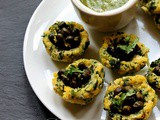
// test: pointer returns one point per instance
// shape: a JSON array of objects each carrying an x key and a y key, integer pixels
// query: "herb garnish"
[
  {"x": 129, "y": 48},
  {"x": 119, "y": 102},
  {"x": 72, "y": 69}
]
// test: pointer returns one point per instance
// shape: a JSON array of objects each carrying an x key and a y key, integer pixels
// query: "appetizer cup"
[{"x": 106, "y": 21}]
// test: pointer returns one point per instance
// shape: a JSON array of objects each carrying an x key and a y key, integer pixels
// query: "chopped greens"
[
  {"x": 127, "y": 38},
  {"x": 119, "y": 102},
  {"x": 72, "y": 92},
  {"x": 130, "y": 47},
  {"x": 61, "y": 55},
  {"x": 72, "y": 69},
  {"x": 155, "y": 63},
  {"x": 115, "y": 63}
]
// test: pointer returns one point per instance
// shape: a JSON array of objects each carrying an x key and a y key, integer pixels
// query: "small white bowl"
[{"x": 106, "y": 21}]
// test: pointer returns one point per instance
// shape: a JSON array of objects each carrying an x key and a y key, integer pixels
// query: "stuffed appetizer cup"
[
  {"x": 66, "y": 41},
  {"x": 150, "y": 6},
  {"x": 123, "y": 53},
  {"x": 130, "y": 98},
  {"x": 153, "y": 74},
  {"x": 80, "y": 82}
]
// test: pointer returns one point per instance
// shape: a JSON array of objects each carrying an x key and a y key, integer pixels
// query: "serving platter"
[{"x": 39, "y": 67}]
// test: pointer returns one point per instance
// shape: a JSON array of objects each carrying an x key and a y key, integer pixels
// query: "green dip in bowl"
[{"x": 103, "y": 5}]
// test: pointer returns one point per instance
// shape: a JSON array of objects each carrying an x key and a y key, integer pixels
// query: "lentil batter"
[
  {"x": 123, "y": 53},
  {"x": 150, "y": 6},
  {"x": 153, "y": 74},
  {"x": 86, "y": 87},
  {"x": 66, "y": 41},
  {"x": 130, "y": 98}
]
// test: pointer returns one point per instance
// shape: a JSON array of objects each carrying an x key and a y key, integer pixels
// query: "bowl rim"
[{"x": 89, "y": 11}]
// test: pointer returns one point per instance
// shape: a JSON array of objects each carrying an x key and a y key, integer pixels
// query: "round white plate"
[{"x": 39, "y": 67}]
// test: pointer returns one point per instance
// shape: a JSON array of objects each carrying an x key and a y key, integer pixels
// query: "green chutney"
[{"x": 103, "y": 5}]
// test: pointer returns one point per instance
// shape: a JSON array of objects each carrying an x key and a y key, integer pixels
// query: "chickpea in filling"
[
  {"x": 153, "y": 74},
  {"x": 66, "y": 41},
  {"x": 126, "y": 101},
  {"x": 157, "y": 19},
  {"x": 130, "y": 98},
  {"x": 156, "y": 67},
  {"x": 119, "y": 49},
  {"x": 75, "y": 77},
  {"x": 149, "y": 6},
  {"x": 66, "y": 37},
  {"x": 80, "y": 82},
  {"x": 124, "y": 53}
]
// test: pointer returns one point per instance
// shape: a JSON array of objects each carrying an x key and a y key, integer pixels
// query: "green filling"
[
  {"x": 152, "y": 6},
  {"x": 129, "y": 48},
  {"x": 72, "y": 69},
  {"x": 103, "y": 5},
  {"x": 60, "y": 57},
  {"x": 155, "y": 63},
  {"x": 119, "y": 102},
  {"x": 115, "y": 63}
]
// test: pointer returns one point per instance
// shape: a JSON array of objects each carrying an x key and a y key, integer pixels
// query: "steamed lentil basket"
[
  {"x": 150, "y": 6},
  {"x": 130, "y": 98},
  {"x": 66, "y": 41},
  {"x": 80, "y": 82},
  {"x": 153, "y": 74},
  {"x": 123, "y": 53}
]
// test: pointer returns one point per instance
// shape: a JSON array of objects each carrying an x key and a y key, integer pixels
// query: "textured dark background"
[{"x": 17, "y": 99}]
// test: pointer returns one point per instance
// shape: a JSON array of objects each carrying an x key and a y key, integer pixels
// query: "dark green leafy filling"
[
  {"x": 128, "y": 48},
  {"x": 129, "y": 101},
  {"x": 157, "y": 19},
  {"x": 156, "y": 66},
  {"x": 123, "y": 49},
  {"x": 64, "y": 36},
  {"x": 150, "y": 4},
  {"x": 153, "y": 80},
  {"x": 115, "y": 63},
  {"x": 155, "y": 63},
  {"x": 75, "y": 77}
]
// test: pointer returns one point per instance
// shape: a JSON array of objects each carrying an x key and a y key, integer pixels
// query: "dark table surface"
[{"x": 17, "y": 99}]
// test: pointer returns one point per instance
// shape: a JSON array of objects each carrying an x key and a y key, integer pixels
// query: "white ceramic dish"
[
  {"x": 39, "y": 67},
  {"x": 106, "y": 21}
]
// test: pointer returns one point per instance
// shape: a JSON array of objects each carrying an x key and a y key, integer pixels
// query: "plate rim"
[
  {"x": 24, "y": 51},
  {"x": 29, "y": 26}
]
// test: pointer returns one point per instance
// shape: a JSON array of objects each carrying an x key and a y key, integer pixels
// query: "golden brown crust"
[
  {"x": 150, "y": 6},
  {"x": 152, "y": 77},
  {"x": 138, "y": 82},
  {"x": 85, "y": 94},
  {"x": 66, "y": 55},
  {"x": 125, "y": 67}
]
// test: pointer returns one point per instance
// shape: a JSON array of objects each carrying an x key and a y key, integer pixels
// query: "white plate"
[{"x": 39, "y": 67}]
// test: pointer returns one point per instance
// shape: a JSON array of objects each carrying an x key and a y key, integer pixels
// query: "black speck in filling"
[
  {"x": 121, "y": 54},
  {"x": 157, "y": 19},
  {"x": 67, "y": 36},
  {"x": 115, "y": 63},
  {"x": 155, "y": 63},
  {"x": 152, "y": 6},
  {"x": 128, "y": 102},
  {"x": 75, "y": 77},
  {"x": 156, "y": 66}
]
